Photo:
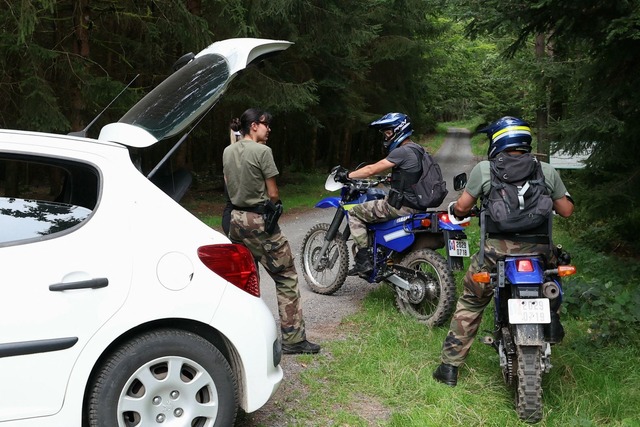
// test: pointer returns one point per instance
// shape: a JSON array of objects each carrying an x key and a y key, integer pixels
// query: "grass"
[{"x": 387, "y": 358}]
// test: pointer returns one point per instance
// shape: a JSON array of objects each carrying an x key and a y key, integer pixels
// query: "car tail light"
[
  {"x": 524, "y": 266},
  {"x": 233, "y": 263}
]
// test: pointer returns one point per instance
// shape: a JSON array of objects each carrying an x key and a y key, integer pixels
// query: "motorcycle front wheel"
[
  {"x": 432, "y": 296},
  {"x": 326, "y": 274}
]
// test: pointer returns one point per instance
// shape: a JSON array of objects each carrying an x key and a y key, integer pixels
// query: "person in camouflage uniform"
[
  {"x": 513, "y": 136},
  {"x": 250, "y": 176},
  {"x": 406, "y": 170}
]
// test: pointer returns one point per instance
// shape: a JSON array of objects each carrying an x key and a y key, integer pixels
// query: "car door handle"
[{"x": 101, "y": 282}]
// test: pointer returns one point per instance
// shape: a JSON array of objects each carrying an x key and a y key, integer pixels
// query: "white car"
[{"x": 119, "y": 307}]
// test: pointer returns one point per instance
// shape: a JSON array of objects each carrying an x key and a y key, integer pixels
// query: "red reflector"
[
  {"x": 234, "y": 263},
  {"x": 444, "y": 217},
  {"x": 524, "y": 265}
]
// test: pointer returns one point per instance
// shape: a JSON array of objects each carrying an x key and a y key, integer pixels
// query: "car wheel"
[{"x": 166, "y": 376}]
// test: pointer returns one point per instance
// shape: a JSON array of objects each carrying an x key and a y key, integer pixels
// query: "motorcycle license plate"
[
  {"x": 458, "y": 247},
  {"x": 528, "y": 311}
]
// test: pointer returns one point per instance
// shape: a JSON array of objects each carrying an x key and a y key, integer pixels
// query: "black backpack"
[
  {"x": 430, "y": 189},
  {"x": 519, "y": 200}
]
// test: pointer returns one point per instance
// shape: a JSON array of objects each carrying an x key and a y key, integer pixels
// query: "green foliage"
[{"x": 605, "y": 293}]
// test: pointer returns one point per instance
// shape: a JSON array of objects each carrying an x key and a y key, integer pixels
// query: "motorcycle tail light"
[
  {"x": 482, "y": 277},
  {"x": 234, "y": 263},
  {"x": 524, "y": 266},
  {"x": 566, "y": 270},
  {"x": 444, "y": 217}
]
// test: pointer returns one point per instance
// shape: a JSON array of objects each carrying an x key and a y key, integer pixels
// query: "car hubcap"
[{"x": 169, "y": 391}]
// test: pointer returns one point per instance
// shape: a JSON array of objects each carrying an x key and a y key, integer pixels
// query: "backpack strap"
[
  {"x": 419, "y": 152},
  {"x": 419, "y": 155}
]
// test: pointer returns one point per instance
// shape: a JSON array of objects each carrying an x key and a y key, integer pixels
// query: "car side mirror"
[{"x": 460, "y": 181}]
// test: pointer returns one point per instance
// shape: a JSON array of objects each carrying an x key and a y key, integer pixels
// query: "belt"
[{"x": 254, "y": 209}]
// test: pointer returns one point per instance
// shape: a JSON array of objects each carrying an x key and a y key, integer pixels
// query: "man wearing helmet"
[
  {"x": 511, "y": 136},
  {"x": 406, "y": 170}
]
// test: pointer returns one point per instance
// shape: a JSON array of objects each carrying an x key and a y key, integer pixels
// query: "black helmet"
[
  {"x": 508, "y": 133},
  {"x": 399, "y": 123}
]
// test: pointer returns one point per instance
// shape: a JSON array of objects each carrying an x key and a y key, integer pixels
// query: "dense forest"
[{"x": 569, "y": 68}]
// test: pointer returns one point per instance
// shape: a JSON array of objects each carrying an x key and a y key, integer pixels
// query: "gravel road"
[{"x": 323, "y": 313}]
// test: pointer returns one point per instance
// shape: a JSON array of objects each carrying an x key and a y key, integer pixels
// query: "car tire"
[{"x": 166, "y": 376}]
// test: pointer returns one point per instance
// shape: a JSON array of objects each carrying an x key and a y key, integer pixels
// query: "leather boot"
[
  {"x": 362, "y": 264},
  {"x": 447, "y": 374}
]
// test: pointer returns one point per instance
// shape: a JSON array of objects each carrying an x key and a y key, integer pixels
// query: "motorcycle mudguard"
[
  {"x": 528, "y": 334},
  {"x": 329, "y": 202},
  {"x": 444, "y": 225}
]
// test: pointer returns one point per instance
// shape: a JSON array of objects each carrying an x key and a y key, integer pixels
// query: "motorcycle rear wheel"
[
  {"x": 433, "y": 295},
  {"x": 528, "y": 394},
  {"x": 330, "y": 272}
]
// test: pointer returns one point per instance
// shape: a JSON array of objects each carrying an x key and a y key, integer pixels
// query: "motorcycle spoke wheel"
[
  {"x": 529, "y": 385},
  {"x": 432, "y": 296},
  {"x": 327, "y": 274}
]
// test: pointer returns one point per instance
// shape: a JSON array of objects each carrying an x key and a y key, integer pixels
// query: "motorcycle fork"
[{"x": 332, "y": 233}]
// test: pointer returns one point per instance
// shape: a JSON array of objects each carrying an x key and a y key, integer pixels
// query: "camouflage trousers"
[
  {"x": 274, "y": 253},
  {"x": 371, "y": 212},
  {"x": 476, "y": 296}
]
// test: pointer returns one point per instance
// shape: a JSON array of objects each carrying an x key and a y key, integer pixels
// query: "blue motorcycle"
[
  {"x": 527, "y": 298},
  {"x": 403, "y": 252}
]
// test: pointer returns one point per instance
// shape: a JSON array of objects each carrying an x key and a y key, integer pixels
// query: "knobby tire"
[
  {"x": 528, "y": 396},
  {"x": 435, "y": 293},
  {"x": 330, "y": 275}
]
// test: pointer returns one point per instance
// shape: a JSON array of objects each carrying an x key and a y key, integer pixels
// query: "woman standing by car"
[{"x": 250, "y": 176}]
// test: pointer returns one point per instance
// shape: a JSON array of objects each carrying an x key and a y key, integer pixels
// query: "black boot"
[
  {"x": 362, "y": 264},
  {"x": 447, "y": 374}
]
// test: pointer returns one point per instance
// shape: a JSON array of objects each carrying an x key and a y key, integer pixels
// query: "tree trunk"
[
  {"x": 81, "y": 22},
  {"x": 542, "y": 109}
]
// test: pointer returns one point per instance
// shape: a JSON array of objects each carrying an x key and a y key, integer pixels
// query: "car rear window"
[
  {"x": 42, "y": 197},
  {"x": 172, "y": 105}
]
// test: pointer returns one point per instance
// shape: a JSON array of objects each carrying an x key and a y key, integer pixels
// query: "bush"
[{"x": 606, "y": 293}]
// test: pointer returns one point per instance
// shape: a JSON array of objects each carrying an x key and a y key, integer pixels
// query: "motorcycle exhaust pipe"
[{"x": 551, "y": 290}]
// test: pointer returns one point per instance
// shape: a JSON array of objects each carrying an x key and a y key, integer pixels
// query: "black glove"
[
  {"x": 341, "y": 174},
  {"x": 453, "y": 212}
]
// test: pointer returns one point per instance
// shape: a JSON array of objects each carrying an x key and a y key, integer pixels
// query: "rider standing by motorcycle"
[
  {"x": 406, "y": 170},
  {"x": 512, "y": 136}
]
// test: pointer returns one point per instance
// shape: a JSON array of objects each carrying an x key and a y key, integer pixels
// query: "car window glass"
[
  {"x": 40, "y": 197},
  {"x": 172, "y": 105}
]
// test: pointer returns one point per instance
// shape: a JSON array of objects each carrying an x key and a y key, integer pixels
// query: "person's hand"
[
  {"x": 341, "y": 174},
  {"x": 453, "y": 212}
]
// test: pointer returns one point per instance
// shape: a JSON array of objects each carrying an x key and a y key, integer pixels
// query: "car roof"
[{"x": 188, "y": 93}]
